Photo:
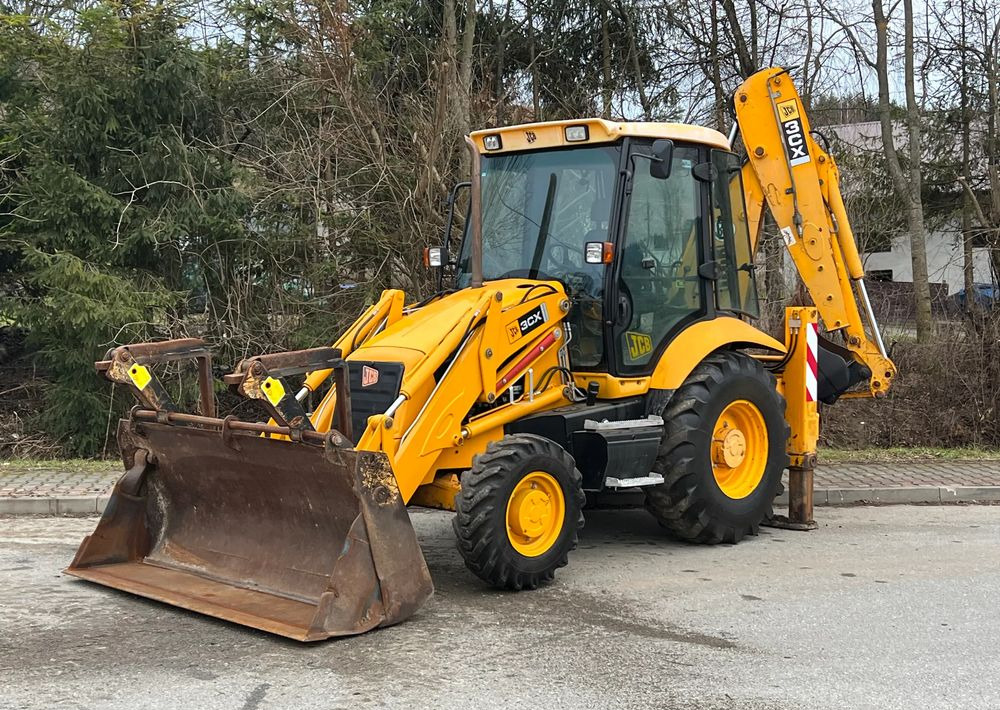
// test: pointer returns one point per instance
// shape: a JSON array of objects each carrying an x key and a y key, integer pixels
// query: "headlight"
[
  {"x": 598, "y": 252},
  {"x": 575, "y": 134},
  {"x": 492, "y": 142}
]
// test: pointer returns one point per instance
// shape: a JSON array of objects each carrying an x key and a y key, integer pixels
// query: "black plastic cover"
[{"x": 374, "y": 386}]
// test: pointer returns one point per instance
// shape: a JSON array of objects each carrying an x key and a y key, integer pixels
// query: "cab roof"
[{"x": 551, "y": 134}]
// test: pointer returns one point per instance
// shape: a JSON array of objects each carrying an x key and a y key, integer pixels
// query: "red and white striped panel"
[{"x": 812, "y": 345}]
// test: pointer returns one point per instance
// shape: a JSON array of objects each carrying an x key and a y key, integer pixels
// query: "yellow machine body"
[{"x": 418, "y": 394}]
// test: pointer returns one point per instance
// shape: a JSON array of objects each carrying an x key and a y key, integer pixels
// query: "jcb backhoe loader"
[{"x": 598, "y": 336}]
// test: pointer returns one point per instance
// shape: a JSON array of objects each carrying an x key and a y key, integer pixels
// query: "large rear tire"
[
  {"x": 723, "y": 451},
  {"x": 518, "y": 512}
]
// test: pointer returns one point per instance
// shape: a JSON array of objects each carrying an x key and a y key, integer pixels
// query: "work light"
[{"x": 433, "y": 256}]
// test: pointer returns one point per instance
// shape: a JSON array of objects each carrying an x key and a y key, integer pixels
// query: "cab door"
[
  {"x": 735, "y": 285},
  {"x": 658, "y": 287}
]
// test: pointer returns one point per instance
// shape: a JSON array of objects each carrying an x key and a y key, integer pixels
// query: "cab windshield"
[{"x": 539, "y": 209}]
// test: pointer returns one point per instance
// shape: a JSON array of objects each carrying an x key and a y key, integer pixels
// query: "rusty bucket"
[{"x": 297, "y": 539}]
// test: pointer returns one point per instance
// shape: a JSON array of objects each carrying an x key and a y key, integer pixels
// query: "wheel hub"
[
  {"x": 729, "y": 447},
  {"x": 739, "y": 449},
  {"x": 535, "y": 513}
]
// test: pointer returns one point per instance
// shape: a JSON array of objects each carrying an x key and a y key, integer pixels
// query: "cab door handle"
[{"x": 624, "y": 311}]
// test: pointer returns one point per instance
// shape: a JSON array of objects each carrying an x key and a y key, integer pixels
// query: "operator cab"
[{"x": 659, "y": 208}]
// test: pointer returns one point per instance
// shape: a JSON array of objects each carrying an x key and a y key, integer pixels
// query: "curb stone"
[
  {"x": 927, "y": 495},
  {"x": 61, "y": 505},
  {"x": 903, "y": 495}
]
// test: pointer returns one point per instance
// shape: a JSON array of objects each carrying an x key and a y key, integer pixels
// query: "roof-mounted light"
[
  {"x": 492, "y": 142},
  {"x": 576, "y": 134}
]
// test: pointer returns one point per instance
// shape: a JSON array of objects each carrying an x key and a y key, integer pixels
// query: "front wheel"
[
  {"x": 723, "y": 451},
  {"x": 518, "y": 512}
]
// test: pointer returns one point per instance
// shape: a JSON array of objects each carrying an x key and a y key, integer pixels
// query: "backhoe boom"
[{"x": 798, "y": 181}]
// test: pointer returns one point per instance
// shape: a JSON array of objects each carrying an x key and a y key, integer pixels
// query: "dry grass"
[
  {"x": 901, "y": 454},
  {"x": 67, "y": 465}
]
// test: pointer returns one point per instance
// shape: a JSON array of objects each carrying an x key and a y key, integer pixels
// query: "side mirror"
[{"x": 662, "y": 159}]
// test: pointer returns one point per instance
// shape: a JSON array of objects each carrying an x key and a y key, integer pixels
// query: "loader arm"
[{"x": 789, "y": 173}]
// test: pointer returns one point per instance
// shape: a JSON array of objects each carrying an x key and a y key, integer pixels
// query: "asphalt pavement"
[{"x": 882, "y": 607}]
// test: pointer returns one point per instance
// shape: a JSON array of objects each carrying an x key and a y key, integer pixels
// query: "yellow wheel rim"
[
  {"x": 739, "y": 449},
  {"x": 535, "y": 513}
]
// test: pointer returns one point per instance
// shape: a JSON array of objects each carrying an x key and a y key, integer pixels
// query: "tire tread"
[{"x": 678, "y": 503}]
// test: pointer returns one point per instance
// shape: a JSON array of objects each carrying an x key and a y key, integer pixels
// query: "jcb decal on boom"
[
  {"x": 792, "y": 132},
  {"x": 527, "y": 323}
]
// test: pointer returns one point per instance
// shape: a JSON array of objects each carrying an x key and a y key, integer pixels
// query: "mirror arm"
[{"x": 630, "y": 172}]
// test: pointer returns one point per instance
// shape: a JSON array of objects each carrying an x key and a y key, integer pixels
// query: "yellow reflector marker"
[
  {"x": 140, "y": 376},
  {"x": 273, "y": 390}
]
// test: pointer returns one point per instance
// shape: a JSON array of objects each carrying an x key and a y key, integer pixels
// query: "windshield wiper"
[{"x": 543, "y": 228}]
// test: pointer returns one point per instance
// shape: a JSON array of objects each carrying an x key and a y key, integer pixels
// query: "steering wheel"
[{"x": 559, "y": 257}]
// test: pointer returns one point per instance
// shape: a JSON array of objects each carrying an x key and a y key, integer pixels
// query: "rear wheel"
[
  {"x": 518, "y": 512},
  {"x": 723, "y": 451}
]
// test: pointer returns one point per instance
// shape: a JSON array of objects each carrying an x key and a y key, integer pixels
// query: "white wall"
[{"x": 944, "y": 261}]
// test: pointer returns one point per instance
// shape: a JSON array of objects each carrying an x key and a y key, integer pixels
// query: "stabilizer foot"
[
  {"x": 782, "y": 522},
  {"x": 800, "y": 501}
]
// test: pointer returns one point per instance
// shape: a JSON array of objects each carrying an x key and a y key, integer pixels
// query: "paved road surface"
[{"x": 880, "y": 608}]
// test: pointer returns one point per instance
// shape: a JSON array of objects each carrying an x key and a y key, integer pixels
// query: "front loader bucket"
[{"x": 288, "y": 537}]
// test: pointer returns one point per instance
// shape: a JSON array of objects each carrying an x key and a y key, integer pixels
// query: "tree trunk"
[
  {"x": 449, "y": 52},
  {"x": 907, "y": 187},
  {"x": 606, "y": 79},
  {"x": 992, "y": 141},
  {"x": 968, "y": 264},
  {"x": 715, "y": 70},
  {"x": 774, "y": 268},
  {"x": 532, "y": 59},
  {"x": 747, "y": 61},
  {"x": 500, "y": 90},
  {"x": 465, "y": 61},
  {"x": 918, "y": 239},
  {"x": 640, "y": 84}
]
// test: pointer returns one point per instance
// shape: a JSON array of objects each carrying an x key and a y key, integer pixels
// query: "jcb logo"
[
  {"x": 788, "y": 110},
  {"x": 792, "y": 133},
  {"x": 639, "y": 344},
  {"x": 530, "y": 136},
  {"x": 369, "y": 376}
]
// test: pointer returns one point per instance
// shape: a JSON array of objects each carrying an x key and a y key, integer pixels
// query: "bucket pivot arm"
[
  {"x": 261, "y": 378},
  {"x": 129, "y": 365}
]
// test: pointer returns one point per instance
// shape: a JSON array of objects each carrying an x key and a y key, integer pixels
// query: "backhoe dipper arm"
[{"x": 800, "y": 184}]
